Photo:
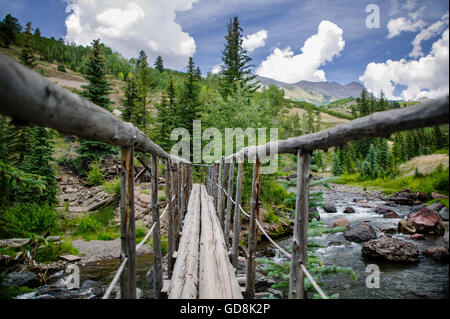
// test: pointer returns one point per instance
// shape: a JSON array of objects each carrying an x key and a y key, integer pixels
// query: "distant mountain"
[{"x": 317, "y": 93}]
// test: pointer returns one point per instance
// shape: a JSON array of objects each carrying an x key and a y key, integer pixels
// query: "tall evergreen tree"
[
  {"x": 27, "y": 54},
  {"x": 38, "y": 161},
  {"x": 369, "y": 169},
  {"x": 235, "y": 69},
  {"x": 130, "y": 100},
  {"x": 143, "y": 85},
  {"x": 97, "y": 92},
  {"x": 159, "y": 64},
  {"x": 9, "y": 28},
  {"x": 37, "y": 33}
]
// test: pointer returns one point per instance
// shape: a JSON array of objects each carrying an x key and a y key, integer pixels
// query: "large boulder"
[
  {"x": 437, "y": 253},
  {"x": 330, "y": 208},
  {"x": 424, "y": 221},
  {"x": 360, "y": 233},
  {"x": 341, "y": 222},
  {"x": 404, "y": 197},
  {"x": 406, "y": 228},
  {"x": 443, "y": 213},
  {"x": 390, "y": 249},
  {"x": 27, "y": 278},
  {"x": 423, "y": 197},
  {"x": 349, "y": 210}
]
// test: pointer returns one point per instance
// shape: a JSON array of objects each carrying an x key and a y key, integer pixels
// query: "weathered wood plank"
[
  {"x": 184, "y": 281},
  {"x": 170, "y": 220},
  {"x": 253, "y": 231},
  {"x": 28, "y": 97},
  {"x": 127, "y": 225},
  {"x": 237, "y": 217},
  {"x": 157, "y": 258},
  {"x": 299, "y": 241},
  {"x": 217, "y": 277},
  {"x": 229, "y": 203}
]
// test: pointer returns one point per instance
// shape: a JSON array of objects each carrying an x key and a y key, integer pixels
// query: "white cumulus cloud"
[
  {"x": 131, "y": 26},
  {"x": 399, "y": 25},
  {"x": 255, "y": 40},
  {"x": 322, "y": 47},
  {"x": 426, "y": 77},
  {"x": 426, "y": 34}
]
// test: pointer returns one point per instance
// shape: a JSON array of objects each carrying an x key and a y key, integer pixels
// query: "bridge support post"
[
  {"x": 252, "y": 233},
  {"x": 157, "y": 259},
  {"x": 229, "y": 203},
  {"x": 299, "y": 241},
  {"x": 127, "y": 225},
  {"x": 182, "y": 192},
  {"x": 223, "y": 183},
  {"x": 237, "y": 216},
  {"x": 176, "y": 217},
  {"x": 170, "y": 226},
  {"x": 215, "y": 182},
  {"x": 219, "y": 195}
]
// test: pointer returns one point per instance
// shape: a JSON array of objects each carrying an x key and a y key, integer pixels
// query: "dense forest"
[{"x": 157, "y": 100}]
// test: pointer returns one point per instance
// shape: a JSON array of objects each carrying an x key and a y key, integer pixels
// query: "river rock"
[
  {"x": 330, "y": 208},
  {"x": 389, "y": 230},
  {"x": 27, "y": 278},
  {"x": 349, "y": 210},
  {"x": 276, "y": 293},
  {"x": 341, "y": 222},
  {"x": 436, "y": 207},
  {"x": 360, "y": 233},
  {"x": 424, "y": 220},
  {"x": 406, "y": 227},
  {"x": 391, "y": 249},
  {"x": 381, "y": 210},
  {"x": 437, "y": 253},
  {"x": 391, "y": 214},
  {"x": 417, "y": 237},
  {"x": 404, "y": 197},
  {"x": 313, "y": 213},
  {"x": 423, "y": 197},
  {"x": 443, "y": 213},
  {"x": 262, "y": 283}
]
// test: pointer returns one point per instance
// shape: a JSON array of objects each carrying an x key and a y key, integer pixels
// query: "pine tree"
[
  {"x": 130, "y": 100},
  {"x": 9, "y": 28},
  {"x": 98, "y": 89},
  {"x": 143, "y": 85},
  {"x": 235, "y": 69},
  {"x": 369, "y": 169},
  {"x": 382, "y": 150},
  {"x": 163, "y": 125},
  {"x": 336, "y": 168},
  {"x": 97, "y": 92},
  {"x": 37, "y": 33},
  {"x": 27, "y": 54},
  {"x": 37, "y": 161},
  {"x": 159, "y": 64}
]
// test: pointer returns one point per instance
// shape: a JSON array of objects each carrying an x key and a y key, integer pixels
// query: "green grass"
[
  {"x": 98, "y": 225},
  {"x": 50, "y": 253},
  {"x": 438, "y": 181},
  {"x": 9, "y": 292}
]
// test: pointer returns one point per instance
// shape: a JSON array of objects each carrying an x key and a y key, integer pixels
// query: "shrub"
[
  {"x": 112, "y": 187},
  {"x": 61, "y": 68},
  {"x": 88, "y": 224},
  {"x": 52, "y": 251},
  {"x": 24, "y": 220},
  {"x": 95, "y": 175}
]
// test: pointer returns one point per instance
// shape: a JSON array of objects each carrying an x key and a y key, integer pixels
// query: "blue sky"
[{"x": 176, "y": 29}]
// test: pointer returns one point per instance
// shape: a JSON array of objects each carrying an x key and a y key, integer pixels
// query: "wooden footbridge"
[{"x": 204, "y": 221}]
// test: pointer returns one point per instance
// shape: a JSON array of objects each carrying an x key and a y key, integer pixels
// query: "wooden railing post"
[
  {"x": 237, "y": 216},
  {"x": 170, "y": 226},
  {"x": 229, "y": 203},
  {"x": 182, "y": 191},
  {"x": 176, "y": 218},
  {"x": 252, "y": 232},
  {"x": 215, "y": 183},
  {"x": 127, "y": 225},
  {"x": 219, "y": 194},
  {"x": 299, "y": 241},
  {"x": 157, "y": 259},
  {"x": 223, "y": 183}
]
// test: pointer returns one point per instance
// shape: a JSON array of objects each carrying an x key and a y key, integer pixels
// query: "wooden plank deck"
[{"x": 202, "y": 269}]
